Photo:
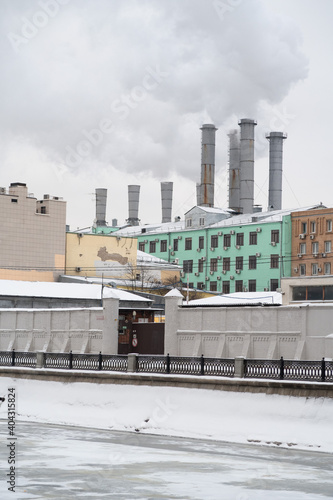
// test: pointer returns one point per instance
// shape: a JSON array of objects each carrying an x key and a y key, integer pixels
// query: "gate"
[{"x": 147, "y": 338}]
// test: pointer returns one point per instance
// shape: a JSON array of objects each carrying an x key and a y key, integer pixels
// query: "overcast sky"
[{"x": 106, "y": 93}]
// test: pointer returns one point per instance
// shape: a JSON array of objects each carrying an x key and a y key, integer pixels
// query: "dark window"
[
  {"x": 200, "y": 285},
  {"x": 225, "y": 287},
  {"x": 43, "y": 210},
  {"x": 239, "y": 263},
  {"x": 164, "y": 245},
  {"x": 328, "y": 292},
  {"x": 253, "y": 238},
  {"x": 152, "y": 247},
  {"x": 175, "y": 245},
  {"x": 227, "y": 240},
  {"x": 274, "y": 285},
  {"x": 226, "y": 263},
  {"x": 13, "y": 200},
  {"x": 213, "y": 286},
  {"x": 214, "y": 241},
  {"x": 240, "y": 239},
  {"x": 213, "y": 265},
  {"x": 252, "y": 262},
  {"x": 188, "y": 266},
  {"x": 315, "y": 293},
  {"x": 239, "y": 286},
  {"x": 252, "y": 286},
  {"x": 299, "y": 293},
  {"x": 142, "y": 246},
  {"x": 275, "y": 236},
  {"x": 304, "y": 226},
  {"x": 200, "y": 266},
  {"x": 188, "y": 243},
  {"x": 190, "y": 285},
  {"x": 275, "y": 261},
  {"x": 201, "y": 242}
]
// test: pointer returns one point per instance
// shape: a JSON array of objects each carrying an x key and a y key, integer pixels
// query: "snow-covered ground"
[{"x": 290, "y": 422}]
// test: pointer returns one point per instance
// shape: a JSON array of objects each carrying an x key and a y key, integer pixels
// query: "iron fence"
[{"x": 317, "y": 371}]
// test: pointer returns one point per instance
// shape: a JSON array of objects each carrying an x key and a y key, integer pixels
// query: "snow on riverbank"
[{"x": 200, "y": 413}]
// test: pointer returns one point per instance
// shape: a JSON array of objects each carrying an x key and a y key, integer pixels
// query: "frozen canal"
[{"x": 70, "y": 462}]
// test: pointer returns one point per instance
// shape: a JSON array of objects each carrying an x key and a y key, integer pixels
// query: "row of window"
[
  {"x": 214, "y": 242},
  {"x": 239, "y": 286},
  {"x": 313, "y": 227},
  {"x": 315, "y": 247},
  {"x": 315, "y": 269},
  {"x": 313, "y": 292},
  {"x": 226, "y": 264}
]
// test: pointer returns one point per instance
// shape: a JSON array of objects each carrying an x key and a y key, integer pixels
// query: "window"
[
  {"x": 240, "y": 239},
  {"x": 304, "y": 227},
  {"x": 329, "y": 225},
  {"x": 201, "y": 242},
  {"x": 314, "y": 269},
  {"x": 201, "y": 221},
  {"x": 302, "y": 248},
  {"x": 252, "y": 262},
  {"x": 200, "y": 266},
  {"x": 189, "y": 222},
  {"x": 239, "y": 263},
  {"x": 315, "y": 247},
  {"x": 274, "y": 285},
  {"x": 190, "y": 285},
  {"x": 43, "y": 210},
  {"x": 313, "y": 292},
  {"x": 302, "y": 269},
  {"x": 214, "y": 241},
  {"x": 226, "y": 263},
  {"x": 328, "y": 246},
  {"x": 188, "y": 266},
  {"x": 274, "y": 261},
  {"x": 164, "y": 245},
  {"x": 200, "y": 285},
  {"x": 312, "y": 227},
  {"x": 239, "y": 286},
  {"x": 253, "y": 238},
  {"x": 299, "y": 293},
  {"x": 175, "y": 245},
  {"x": 213, "y": 265},
  {"x": 327, "y": 268},
  {"x": 227, "y": 240},
  {"x": 252, "y": 286},
  {"x": 225, "y": 287},
  {"x": 152, "y": 247},
  {"x": 275, "y": 236},
  {"x": 142, "y": 246},
  {"x": 188, "y": 243},
  {"x": 213, "y": 286},
  {"x": 14, "y": 200}
]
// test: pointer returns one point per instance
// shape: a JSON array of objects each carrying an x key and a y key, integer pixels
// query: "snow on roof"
[
  {"x": 174, "y": 293},
  {"x": 239, "y": 298},
  {"x": 151, "y": 228},
  {"x": 146, "y": 258},
  {"x": 63, "y": 290}
]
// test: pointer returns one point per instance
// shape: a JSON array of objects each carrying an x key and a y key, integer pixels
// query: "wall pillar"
[
  {"x": 239, "y": 367},
  {"x": 110, "y": 325},
  {"x": 173, "y": 300}
]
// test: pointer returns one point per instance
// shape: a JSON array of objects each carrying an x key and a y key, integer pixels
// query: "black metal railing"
[{"x": 281, "y": 369}]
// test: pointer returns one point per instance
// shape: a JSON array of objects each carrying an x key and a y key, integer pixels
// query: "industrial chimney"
[
  {"x": 133, "y": 205},
  {"x": 166, "y": 195},
  {"x": 247, "y": 165},
  {"x": 101, "y": 195},
  {"x": 275, "y": 169},
  {"x": 206, "y": 198},
  {"x": 234, "y": 170}
]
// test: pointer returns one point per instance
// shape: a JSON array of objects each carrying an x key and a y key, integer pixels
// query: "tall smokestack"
[
  {"x": 207, "y": 165},
  {"x": 247, "y": 165},
  {"x": 133, "y": 205},
  {"x": 166, "y": 195},
  {"x": 275, "y": 169},
  {"x": 234, "y": 170},
  {"x": 101, "y": 195}
]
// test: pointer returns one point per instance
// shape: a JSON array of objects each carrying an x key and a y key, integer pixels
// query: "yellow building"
[{"x": 32, "y": 235}]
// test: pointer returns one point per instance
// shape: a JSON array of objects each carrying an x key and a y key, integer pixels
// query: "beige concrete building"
[
  {"x": 312, "y": 242},
  {"x": 32, "y": 235}
]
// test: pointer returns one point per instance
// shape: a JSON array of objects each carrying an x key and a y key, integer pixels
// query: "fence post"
[
  {"x": 281, "y": 368},
  {"x": 323, "y": 370},
  {"x": 202, "y": 365},
  {"x": 132, "y": 362},
  {"x": 70, "y": 360},
  {"x": 168, "y": 363},
  {"x": 239, "y": 366},
  {"x": 40, "y": 363},
  {"x": 13, "y": 357},
  {"x": 100, "y": 360}
]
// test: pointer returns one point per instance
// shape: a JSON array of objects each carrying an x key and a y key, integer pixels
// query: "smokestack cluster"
[
  {"x": 166, "y": 196},
  {"x": 133, "y": 205},
  {"x": 205, "y": 190},
  {"x": 101, "y": 196}
]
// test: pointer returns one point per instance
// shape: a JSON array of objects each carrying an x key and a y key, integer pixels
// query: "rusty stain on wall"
[{"x": 104, "y": 255}]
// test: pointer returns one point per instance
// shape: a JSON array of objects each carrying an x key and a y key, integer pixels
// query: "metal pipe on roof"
[
  {"x": 207, "y": 165},
  {"x": 234, "y": 170},
  {"x": 166, "y": 196},
  {"x": 275, "y": 169},
  {"x": 247, "y": 164},
  {"x": 101, "y": 196}
]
